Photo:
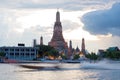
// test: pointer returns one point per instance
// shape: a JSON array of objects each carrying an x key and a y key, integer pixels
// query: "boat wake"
[
  {"x": 100, "y": 65},
  {"x": 50, "y": 67}
]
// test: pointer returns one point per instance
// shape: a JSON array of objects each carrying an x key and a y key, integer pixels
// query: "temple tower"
[
  {"x": 34, "y": 43},
  {"x": 70, "y": 45},
  {"x": 41, "y": 40},
  {"x": 57, "y": 40},
  {"x": 83, "y": 47},
  {"x": 70, "y": 49}
]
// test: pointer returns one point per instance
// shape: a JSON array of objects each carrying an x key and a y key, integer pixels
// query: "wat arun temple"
[{"x": 57, "y": 40}]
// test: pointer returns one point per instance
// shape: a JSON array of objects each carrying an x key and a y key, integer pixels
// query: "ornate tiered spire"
[
  {"x": 57, "y": 40},
  {"x": 83, "y": 46},
  {"x": 70, "y": 49},
  {"x": 57, "y": 16},
  {"x": 41, "y": 40},
  {"x": 57, "y": 35}
]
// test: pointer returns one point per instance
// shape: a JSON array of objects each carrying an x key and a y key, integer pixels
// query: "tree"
[
  {"x": 76, "y": 56},
  {"x": 92, "y": 56},
  {"x": 63, "y": 56},
  {"x": 53, "y": 53},
  {"x": 45, "y": 50},
  {"x": 112, "y": 54},
  {"x": 2, "y": 54}
]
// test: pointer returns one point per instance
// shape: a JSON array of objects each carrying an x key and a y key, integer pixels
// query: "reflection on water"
[{"x": 66, "y": 72}]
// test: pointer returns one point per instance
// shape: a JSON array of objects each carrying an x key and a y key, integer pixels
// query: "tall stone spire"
[
  {"x": 41, "y": 40},
  {"x": 34, "y": 43},
  {"x": 57, "y": 33},
  {"x": 57, "y": 16},
  {"x": 70, "y": 44},
  {"x": 57, "y": 40},
  {"x": 70, "y": 49},
  {"x": 83, "y": 46}
]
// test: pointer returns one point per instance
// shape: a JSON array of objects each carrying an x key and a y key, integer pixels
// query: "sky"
[{"x": 97, "y": 21}]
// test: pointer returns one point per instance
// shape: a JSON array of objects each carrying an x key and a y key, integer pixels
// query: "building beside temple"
[
  {"x": 57, "y": 40},
  {"x": 20, "y": 52}
]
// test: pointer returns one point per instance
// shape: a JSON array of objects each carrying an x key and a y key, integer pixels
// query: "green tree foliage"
[
  {"x": 92, "y": 56},
  {"x": 53, "y": 53},
  {"x": 2, "y": 54},
  {"x": 63, "y": 56},
  {"x": 112, "y": 54},
  {"x": 76, "y": 56},
  {"x": 45, "y": 50}
]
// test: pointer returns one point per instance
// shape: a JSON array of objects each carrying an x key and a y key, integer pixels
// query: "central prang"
[{"x": 57, "y": 40}]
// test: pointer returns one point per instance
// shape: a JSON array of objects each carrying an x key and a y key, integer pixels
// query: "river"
[{"x": 66, "y": 72}]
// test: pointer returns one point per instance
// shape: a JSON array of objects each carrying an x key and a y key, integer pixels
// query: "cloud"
[
  {"x": 103, "y": 21},
  {"x": 4, "y": 26},
  {"x": 64, "y": 4},
  {"x": 3, "y": 31},
  {"x": 69, "y": 25},
  {"x": 35, "y": 32}
]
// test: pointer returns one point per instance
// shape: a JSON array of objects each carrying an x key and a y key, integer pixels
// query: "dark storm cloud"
[{"x": 103, "y": 21}]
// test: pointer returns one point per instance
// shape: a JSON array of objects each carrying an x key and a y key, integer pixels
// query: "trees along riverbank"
[
  {"x": 47, "y": 51},
  {"x": 112, "y": 55},
  {"x": 2, "y": 56}
]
